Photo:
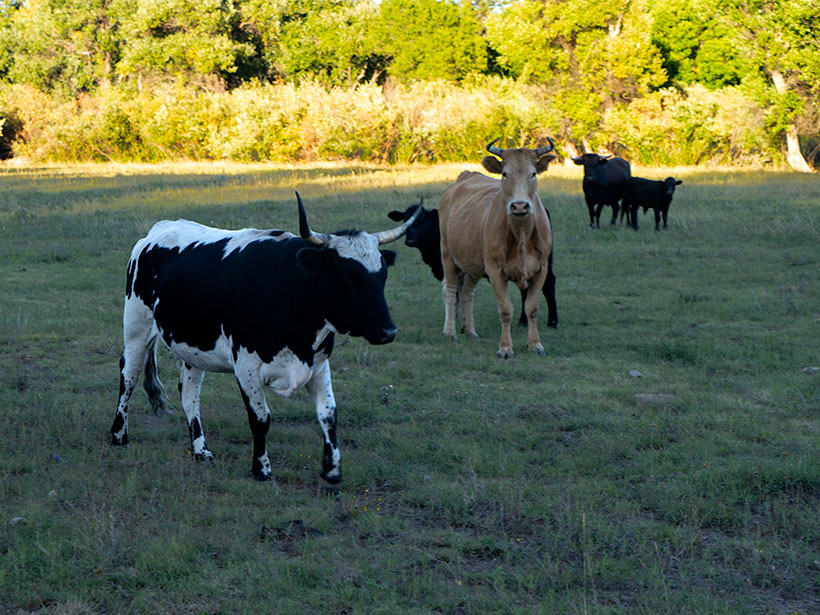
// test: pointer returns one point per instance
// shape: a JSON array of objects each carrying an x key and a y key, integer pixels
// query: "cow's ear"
[
  {"x": 311, "y": 259},
  {"x": 679, "y": 182},
  {"x": 396, "y": 215},
  {"x": 544, "y": 162},
  {"x": 578, "y": 160},
  {"x": 492, "y": 164},
  {"x": 389, "y": 257}
]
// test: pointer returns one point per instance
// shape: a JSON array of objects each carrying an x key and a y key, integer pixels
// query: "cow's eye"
[
  {"x": 533, "y": 175},
  {"x": 504, "y": 174}
]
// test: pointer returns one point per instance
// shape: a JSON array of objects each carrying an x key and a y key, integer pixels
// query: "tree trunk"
[{"x": 793, "y": 155}]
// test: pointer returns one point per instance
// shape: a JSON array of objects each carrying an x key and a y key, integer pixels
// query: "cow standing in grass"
[
  {"x": 424, "y": 235},
  {"x": 499, "y": 230},
  {"x": 604, "y": 183},
  {"x": 649, "y": 194},
  {"x": 264, "y": 305}
]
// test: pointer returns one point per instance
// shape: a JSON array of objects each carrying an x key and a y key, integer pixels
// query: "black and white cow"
[
  {"x": 649, "y": 194},
  {"x": 262, "y": 304},
  {"x": 424, "y": 235}
]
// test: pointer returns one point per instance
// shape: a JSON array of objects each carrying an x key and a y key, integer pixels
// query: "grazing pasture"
[{"x": 663, "y": 457}]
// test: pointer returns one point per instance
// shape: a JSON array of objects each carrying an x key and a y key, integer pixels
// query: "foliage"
[
  {"x": 696, "y": 44},
  {"x": 692, "y": 126},
  {"x": 585, "y": 62},
  {"x": 594, "y": 55},
  {"x": 422, "y": 121},
  {"x": 430, "y": 39}
]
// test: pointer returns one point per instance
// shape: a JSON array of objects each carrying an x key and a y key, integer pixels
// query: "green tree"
[
  {"x": 696, "y": 44},
  {"x": 590, "y": 54},
  {"x": 329, "y": 39},
  {"x": 63, "y": 46},
  {"x": 782, "y": 39},
  {"x": 195, "y": 38},
  {"x": 430, "y": 39}
]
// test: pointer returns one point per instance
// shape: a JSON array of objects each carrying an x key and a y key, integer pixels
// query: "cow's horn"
[
  {"x": 317, "y": 239},
  {"x": 545, "y": 149},
  {"x": 495, "y": 150},
  {"x": 394, "y": 234}
]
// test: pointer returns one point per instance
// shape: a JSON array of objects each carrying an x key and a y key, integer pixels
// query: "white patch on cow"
[
  {"x": 184, "y": 233},
  {"x": 286, "y": 374},
  {"x": 322, "y": 334},
  {"x": 218, "y": 359},
  {"x": 361, "y": 247}
]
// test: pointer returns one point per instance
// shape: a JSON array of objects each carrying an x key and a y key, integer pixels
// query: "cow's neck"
[{"x": 521, "y": 227}]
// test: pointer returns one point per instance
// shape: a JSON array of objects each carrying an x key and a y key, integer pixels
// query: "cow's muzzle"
[
  {"x": 383, "y": 336},
  {"x": 519, "y": 208}
]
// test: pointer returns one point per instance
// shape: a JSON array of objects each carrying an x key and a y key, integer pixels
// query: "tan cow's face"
[{"x": 519, "y": 169}]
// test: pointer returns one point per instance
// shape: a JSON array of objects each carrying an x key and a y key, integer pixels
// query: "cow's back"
[{"x": 463, "y": 209}]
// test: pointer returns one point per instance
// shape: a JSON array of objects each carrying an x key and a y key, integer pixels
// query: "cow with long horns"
[
  {"x": 262, "y": 304},
  {"x": 497, "y": 229}
]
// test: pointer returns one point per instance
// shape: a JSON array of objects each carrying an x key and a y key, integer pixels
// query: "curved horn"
[
  {"x": 317, "y": 239},
  {"x": 394, "y": 234},
  {"x": 495, "y": 150},
  {"x": 545, "y": 149}
]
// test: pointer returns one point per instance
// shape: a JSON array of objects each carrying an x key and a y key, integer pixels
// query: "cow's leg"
[
  {"x": 450, "y": 295},
  {"x": 321, "y": 392},
  {"x": 615, "y": 208},
  {"x": 549, "y": 295},
  {"x": 591, "y": 208},
  {"x": 665, "y": 212},
  {"x": 467, "y": 294},
  {"x": 633, "y": 214},
  {"x": 190, "y": 384},
  {"x": 598, "y": 211},
  {"x": 253, "y": 394},
  {"x": 531, "y": 306},
  {"x": 505, "y": 313},
  {"x": 139, "y": 336},
  {"x": 657, "y": 219}
]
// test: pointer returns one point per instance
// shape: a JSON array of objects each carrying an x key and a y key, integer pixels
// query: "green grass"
[{"x": 557, "y": 484}]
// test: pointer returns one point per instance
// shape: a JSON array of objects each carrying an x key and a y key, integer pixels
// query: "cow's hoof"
[
  {"x": 538, "y": 349},
  {"x": 262, "y": 476},
  {"x": 505, "y": 353},
  {"x": 329, "y": 486},
  {"x": 204, "y": 455},
  {"x": 472, "y": 336},
  {"x": 115, "y": 441},
  {"x": 553, "y": 324}
]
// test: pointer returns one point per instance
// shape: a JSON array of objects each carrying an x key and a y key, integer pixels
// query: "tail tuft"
[{"x": 152, "y": 385}]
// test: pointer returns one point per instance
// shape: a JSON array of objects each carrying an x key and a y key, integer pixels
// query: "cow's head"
[
  {"x": 422, "y": 229},
  {"x": 352, "y": 272},
  {"x": 519, "y": 169},
  {"x": 670, "y": 183},
  {"x": 592, "y": 164}
]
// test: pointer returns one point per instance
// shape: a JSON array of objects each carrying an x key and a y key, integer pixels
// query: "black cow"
[
  {"x": 649, "y": 194},
  {"x": 262, "y": 304},
  {"x": 424, "y": 234},
  {"x": 604, "y": 184}
]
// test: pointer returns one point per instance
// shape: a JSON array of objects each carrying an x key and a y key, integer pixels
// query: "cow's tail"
[{"x": 152, "y": 385}]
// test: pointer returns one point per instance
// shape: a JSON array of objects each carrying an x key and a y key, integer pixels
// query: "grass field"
[{"x": 557, "y": 484}]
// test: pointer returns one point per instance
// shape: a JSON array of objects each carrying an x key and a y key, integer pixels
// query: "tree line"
[{"x": 599, "y": 66}]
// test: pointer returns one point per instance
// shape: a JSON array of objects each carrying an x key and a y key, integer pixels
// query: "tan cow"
[{"x": 498, "y": 230}]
